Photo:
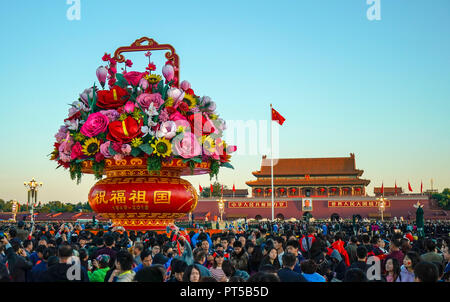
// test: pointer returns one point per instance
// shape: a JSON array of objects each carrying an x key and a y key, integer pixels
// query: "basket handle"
[{"x": 152, "y": 45}]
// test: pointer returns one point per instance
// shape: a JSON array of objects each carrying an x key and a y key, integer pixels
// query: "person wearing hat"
[
  {"x": 216, "y": 270},
  {"x": 100, "y": 268}
]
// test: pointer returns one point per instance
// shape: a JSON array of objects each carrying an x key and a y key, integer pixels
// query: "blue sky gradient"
[{"x": 379, "y": 89}]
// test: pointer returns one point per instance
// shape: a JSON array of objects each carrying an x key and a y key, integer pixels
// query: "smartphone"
[{"x": 89, "y": 264}]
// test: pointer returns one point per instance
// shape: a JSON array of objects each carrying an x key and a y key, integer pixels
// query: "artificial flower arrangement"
[{"x": 141, "y": 115}]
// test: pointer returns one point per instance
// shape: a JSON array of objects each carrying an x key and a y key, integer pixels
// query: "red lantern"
[
  {"x": 293, "y": 190},
  {"x": 282, "y": 190},
  {"x": 322, "y": 189},
  {"x": 358, "y": 189},
  {"x": 333, "y": 189},
  {"x": 258, "y": 190},
  {"x": 270, "y": 190},
  {"x": 345, "y": 189}
]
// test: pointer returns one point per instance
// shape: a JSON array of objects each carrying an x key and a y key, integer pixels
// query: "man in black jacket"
[
  {"x": 361, "y": 253},
  {"x": 287, "y": 274},
  {"x": 19, "y": 266},
  {"x": 66, "y": 270}
]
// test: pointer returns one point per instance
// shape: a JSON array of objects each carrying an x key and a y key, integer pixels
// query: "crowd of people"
[{"x": 265, "y": 252}]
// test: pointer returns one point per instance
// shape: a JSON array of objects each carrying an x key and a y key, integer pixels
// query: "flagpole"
[{"x": 271, "y": 159}]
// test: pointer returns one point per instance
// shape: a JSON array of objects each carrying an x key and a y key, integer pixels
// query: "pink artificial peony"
[
  {"x": 164, "y": 116},
  {"x": 133, "y": 77},
  {"x": 126, "y": 149},
  {"x": 104, "y": 149},
  {"x": 62, "y": 133},
  {"x": 143, "y": 83},
  {"x": 145, "y": 99},
  {"x": 102, "y": 72},
  {"x": 231, "y": 149},
  {"x": 177, "y": 116},
  {"x": 129, "y": 107},
  {"x": 168, "y": 72},
  {"x": 76, "y": 151},
  {"x": 95, "y": 124},
  {"x": 188, "y": 147},
  {"x": 167, "y": 130},
  {"x": 185, "y": 85},
  {"x": 112, "y": 114}
]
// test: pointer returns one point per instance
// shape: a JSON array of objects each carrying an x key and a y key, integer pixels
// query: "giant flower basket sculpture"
[{"x": 143, "y": 133}]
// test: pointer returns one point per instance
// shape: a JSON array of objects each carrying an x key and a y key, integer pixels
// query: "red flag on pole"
[
  {"x": 395, "y": 187},
  {"x": 211, "y": 188},
  {"x": 221, "y": 190},
  {"x": 277, "y": 117},
  {"x": 200, "y": 188},
  {"x": 234, "y": 189},
  {"x": 409, "y": 187},
  {"x": 421, "y": 186},
  {"x": 382, "y": 189}
]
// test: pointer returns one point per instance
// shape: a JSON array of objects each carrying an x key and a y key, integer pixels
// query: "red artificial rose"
[
  {"x": 99, "y": 157},
  {"x": 112, "y": 99},
  {"x": 133, "y": 77},
  {"x": 197, "y": 118},
  {"x": 170, "y": 110},
  {"x": 183, "y": 106},
  {"x": 124, "y": 131},
  {"x": 190, "y": 91}
]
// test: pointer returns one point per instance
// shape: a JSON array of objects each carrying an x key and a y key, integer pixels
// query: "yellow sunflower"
[
  {"x": 162, "y": 147},
  {"x": 190, "y": 100},
  {"x": 153, "y": 79},
  {"x": 208, "y": 143},
  {"x": 91, "y": 146}
]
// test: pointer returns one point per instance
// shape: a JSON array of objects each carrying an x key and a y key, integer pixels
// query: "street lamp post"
[{"x": 32, "y": 188}]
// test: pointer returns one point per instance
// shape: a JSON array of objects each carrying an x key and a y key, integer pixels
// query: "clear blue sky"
[{"x": 379, "y": 89}]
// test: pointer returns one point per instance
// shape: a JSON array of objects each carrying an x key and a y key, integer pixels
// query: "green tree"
[
  {"x": 443, "y": 199},
  {"x": 217, "y": 188}
]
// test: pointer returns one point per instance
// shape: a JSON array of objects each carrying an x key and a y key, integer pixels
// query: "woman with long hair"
[{"x": 392, "y": 270}]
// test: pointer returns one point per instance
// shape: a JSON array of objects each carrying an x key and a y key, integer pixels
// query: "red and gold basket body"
[{"x": 140, "y": 200}]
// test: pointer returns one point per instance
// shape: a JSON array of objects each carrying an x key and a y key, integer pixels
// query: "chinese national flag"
[
  {"x": 421, "y": 186},
  {"x": 409, "y": 187},
  {"x": 211, "y": 187},
  {"x": 277, "y": 117},
  {"x": 200, "y": 188},
  {"x": 221, "y": 190},
  {"x": 234, "y": 189},
  {"x": 382, "y": 188},
  {"x": 395, "y": 187}
]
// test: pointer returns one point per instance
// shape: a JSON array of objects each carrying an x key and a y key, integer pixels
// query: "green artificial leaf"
[
  {"x": 227, "y": 165},
  {"x": 197, "y": 160},
  {"x": 111, "y": 151},
  {"x": 164, "y": 92},
  {"x": 153, "y": 164},
  {"x": 121, "y": 81},
  {"x": 160, "y": 87},
  {"x": 146, "y": 148},
  {"x": 135, "y": 152}
]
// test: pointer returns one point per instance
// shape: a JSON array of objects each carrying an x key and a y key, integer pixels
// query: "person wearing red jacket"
[{"x": 339, "y": 245}]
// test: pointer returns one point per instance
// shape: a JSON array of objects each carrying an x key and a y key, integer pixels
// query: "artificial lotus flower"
[
  {"x": 168, "y": 72},
  {"x": 143, "y": 83},
  {"x": 102, "y": 73},
  {"x": 185, "y": 85},
  {"x": 175, "y": 94},
  {"x": 167, "y": 130},
  {"x": 86, "y": 95}
]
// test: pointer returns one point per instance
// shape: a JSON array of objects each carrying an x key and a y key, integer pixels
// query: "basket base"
[{"x": 143, "y": 224}]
